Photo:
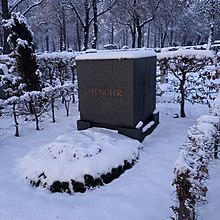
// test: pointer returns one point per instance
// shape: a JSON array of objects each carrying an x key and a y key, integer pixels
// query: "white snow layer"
[
  {"x": 199, "y": 54},
  {"x": 117, "y": 54},
  {"x": 73, "y": 155}
]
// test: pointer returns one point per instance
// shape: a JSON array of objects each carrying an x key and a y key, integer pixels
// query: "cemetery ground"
[{"x": 143, "y": 192}]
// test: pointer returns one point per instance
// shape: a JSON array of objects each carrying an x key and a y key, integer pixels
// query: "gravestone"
[{"x": 117, "y": 90}]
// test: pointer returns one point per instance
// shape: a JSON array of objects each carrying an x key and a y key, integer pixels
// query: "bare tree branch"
[
  {"x": 15, "y": 5},
  {"x": 32, "y": 6},
  {"x": 77, "y": 14},
  {"x": 153, "y": 16}
]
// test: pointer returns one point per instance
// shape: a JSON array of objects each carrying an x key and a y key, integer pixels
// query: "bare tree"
[{"x": 86, "y": 19}]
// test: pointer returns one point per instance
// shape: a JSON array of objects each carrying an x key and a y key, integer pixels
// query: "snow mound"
[{"x": 80, "y": 160}]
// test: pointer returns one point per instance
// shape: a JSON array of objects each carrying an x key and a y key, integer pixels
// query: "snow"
[
  {"x": 22, "y": 43},
  {"x": 136, "y": 195},
  {"x": 149, "y": 125},
  {"x": 71, "y": 157},
  {"x": 139, "y": 124},
  {"x": 180, "y": 164},
  {"x": 118, "y": 54},
  {"x": 4, "y": 68},
  {"x": 208, "y": 119},
  {"x": 57, "y": 55},
  {"x": 181, "y": 52},
  {"x": 206, "y": 128}
]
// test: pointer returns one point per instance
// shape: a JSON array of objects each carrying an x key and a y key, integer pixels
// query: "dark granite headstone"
[{"x": 117, "y": 90}]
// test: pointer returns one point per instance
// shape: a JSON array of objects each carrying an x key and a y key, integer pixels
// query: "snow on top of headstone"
[
  {"x": 181, "y": 52},
  {"x": 116, "y": 54}
]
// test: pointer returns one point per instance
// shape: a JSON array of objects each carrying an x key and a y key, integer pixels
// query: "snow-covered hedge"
[
  {"x": 35, "y": 103},
  {"x": 56, "y": 66},
  {"x": 216, "y": 106},
  {"x": 79, "y": 161},
  {"x": 192, "y": 165},
  {"x": 190, "y": 77}
]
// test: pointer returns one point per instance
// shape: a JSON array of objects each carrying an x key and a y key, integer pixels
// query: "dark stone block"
[
  {"x": 138, "y": 133},
  {"x": 117, "y": 93},
  {"x": 82, "y": 125}
]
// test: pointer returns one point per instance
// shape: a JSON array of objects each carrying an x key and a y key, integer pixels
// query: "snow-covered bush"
[
  {"x": 79, "y": 161},
  {"x": 192, "y": 166},
  {"x": 57, "y": 65},
  {"x": 54, "y": 69},
  {"x": 216, "y": 106},
  {"x": 190, "y": 79},
  {"x": 21, "y": 41}
]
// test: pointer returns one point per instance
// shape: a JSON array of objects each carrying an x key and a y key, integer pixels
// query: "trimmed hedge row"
[{"x": 89, "y": 183}]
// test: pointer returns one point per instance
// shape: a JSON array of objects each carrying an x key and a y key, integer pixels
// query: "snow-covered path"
[{"x": 143, "y": 192}]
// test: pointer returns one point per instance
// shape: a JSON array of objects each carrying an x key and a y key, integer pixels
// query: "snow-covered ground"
[{"x": 143, "y": 192}]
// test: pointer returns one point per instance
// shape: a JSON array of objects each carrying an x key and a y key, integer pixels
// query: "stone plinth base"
[{"x": 135, "y": 133}]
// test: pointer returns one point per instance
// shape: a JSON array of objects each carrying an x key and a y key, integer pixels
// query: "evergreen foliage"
[{"x": 20, "y": 40}]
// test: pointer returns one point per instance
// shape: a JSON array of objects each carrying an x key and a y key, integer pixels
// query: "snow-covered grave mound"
[{"x": 79, "y": 161}]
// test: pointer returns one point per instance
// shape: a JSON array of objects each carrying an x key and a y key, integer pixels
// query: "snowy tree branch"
[{"x": 32, "y": 6}]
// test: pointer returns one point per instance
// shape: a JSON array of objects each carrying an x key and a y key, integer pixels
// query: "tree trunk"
[
  {"x": 148, "y": 36},
  {"x": 139, "y": 40},
  {"x": 171, "y": 38},
  {"x": 61, "y": 39},
  {"x": 16, "y": 121},
  {"x": 5, "y": 15},
  {"x": 163, "y": 38},
  {"x": 182, "y": 97},
  {"x": 67, "y": 107},
  {"x": 64, "y": 43},
  {"x": 52, "y": 109},
  {"x": 37, "y": 122},
  {"x": 78, "y": 35},
  {"x": 212, "y": 24},
  {"x": 73, "y": 68},
  {"x": 133, "y": 35},
  {"x": 112, "y": 33},
  {"x": 86, "y": 38},
  {"x": 95, "y": 25},
  {"x": 86, "y": 26},
  {"x": 36, "y": 119},
  {"x": 47, "y": 43}
]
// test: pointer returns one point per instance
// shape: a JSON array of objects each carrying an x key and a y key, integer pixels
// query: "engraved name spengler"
[{"x": 104, "y": 92}]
